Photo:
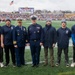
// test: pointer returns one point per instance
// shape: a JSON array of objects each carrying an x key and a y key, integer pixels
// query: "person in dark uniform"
[
  {"x": 19, "y": 41},
  {"x": 1, "y": 51},
  {"x": 34, "y": 34},
  {"x": 63, "y": 36},
  {"x": 49, "y": 41},
  {"x": 73, "y": 39},
  {"x": 7, "y": 41}
]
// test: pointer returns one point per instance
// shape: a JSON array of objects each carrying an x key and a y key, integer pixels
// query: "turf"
[
  {"x": 41, "y": 70},
  {"x": 56, "y": 24}
]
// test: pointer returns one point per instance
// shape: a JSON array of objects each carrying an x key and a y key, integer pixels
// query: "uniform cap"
[
  {"x": 8, "y": 20},
  {"x": 33, "y": 17},
  {"x": 19, "y": 19}
]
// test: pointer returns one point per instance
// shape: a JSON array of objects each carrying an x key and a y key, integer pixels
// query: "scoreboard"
[{"x": 26, "y": 10}]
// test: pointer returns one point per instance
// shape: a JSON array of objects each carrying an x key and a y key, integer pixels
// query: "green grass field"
[{"x": 41, "y": 70}]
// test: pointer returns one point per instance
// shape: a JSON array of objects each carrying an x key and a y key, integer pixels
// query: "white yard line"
[{"x": 31, "y": 62}]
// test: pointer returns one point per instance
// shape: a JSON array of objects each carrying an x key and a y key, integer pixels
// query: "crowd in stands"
[{"x": 41, "y": 16}]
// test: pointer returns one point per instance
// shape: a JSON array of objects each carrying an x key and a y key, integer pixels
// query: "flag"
[{"x": 11, "y": 2}]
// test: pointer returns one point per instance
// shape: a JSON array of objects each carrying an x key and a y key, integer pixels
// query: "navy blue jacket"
[
  {"x": 63, "y": 36},
  {"x": 73, "y": 34},
  {"x": 49, "y": 36},
  {"x": 19, "y": 36},
  {"x": 0, "y": 34},
  {"x": 7, "y": 32},
  {"x": 0, "y": 30},
  {"x": 35, "y": 32}
]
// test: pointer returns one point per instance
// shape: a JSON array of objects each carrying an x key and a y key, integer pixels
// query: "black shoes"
[
  {"x": 6, "y": 65},
  {"x": 35, "y": 65}
]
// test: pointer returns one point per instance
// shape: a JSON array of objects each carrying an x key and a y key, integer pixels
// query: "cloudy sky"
[{"x": 38, "y": 4}]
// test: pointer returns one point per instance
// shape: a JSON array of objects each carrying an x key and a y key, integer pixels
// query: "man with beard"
[{"x": 49, "y": 41}]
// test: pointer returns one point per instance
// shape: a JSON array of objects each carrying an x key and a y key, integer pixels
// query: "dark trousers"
[
  {"x": 7, "y": 57},
  {"x": 35, "y": 52},
  {"x": 59, "y": 55},
  {"x": 51, "y": 55},
  {"x": 20, "y": 56},
  {"x": 1, "y": 54},
  {"x": 73, "y": 53}
]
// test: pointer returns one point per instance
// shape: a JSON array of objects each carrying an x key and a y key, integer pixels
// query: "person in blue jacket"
[
  {"x": 7, "y": 41},
  {"x": 19, "y": 41},
  {"x": 73, "y": 39},
  {"x": 34, "y": 34},
  {"x": 63, "y": 36}
]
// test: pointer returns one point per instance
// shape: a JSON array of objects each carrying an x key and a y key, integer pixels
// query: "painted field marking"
[{"x": 67, "y": 73}]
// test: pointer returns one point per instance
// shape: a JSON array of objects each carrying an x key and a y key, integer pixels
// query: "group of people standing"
[{"x": 14, "y": 39}]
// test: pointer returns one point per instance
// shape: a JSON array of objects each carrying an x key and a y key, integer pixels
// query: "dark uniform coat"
[
  {"x": 49, "y": 36},
  {"x": 34, "y": 34},
  {"x": 19, "y": 36}
]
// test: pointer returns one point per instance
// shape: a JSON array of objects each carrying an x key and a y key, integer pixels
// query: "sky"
[{"x": 38, "y": 4}]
